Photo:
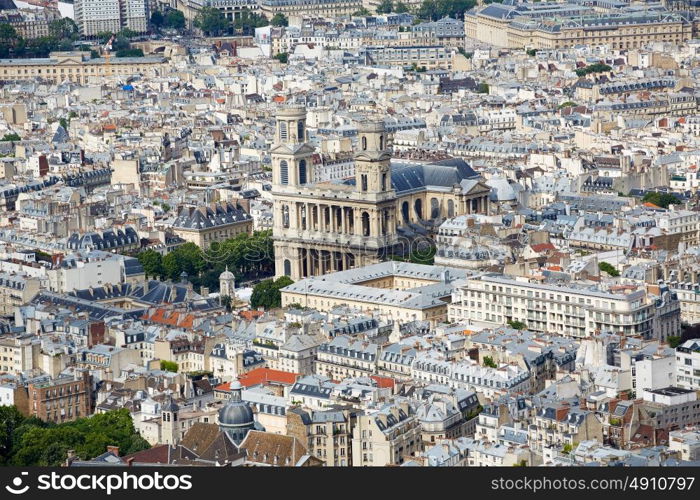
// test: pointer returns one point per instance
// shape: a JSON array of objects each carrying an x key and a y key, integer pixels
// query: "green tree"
[
  {"x": 8, "y": 33},
  {"x": 673, "y": 341},
  {"x": 483, "y": 88},
  {"x": 11, "y": 137},
  {"x": 279, "y": 19},
  {"x": 10, "y": 420},
  {"x": 593, "y": 68},
  {"x": 267, "y": 293},
  {"x": 175, "y": 20},
  {"x": 227, "y": 302},
  {"x": 64, "y": 28},
  {"x": 152, "y": 263},
  {"x": 401, "y": 8},
  {"x": 211, "y": 21},
  {"x": 531, "y": 52},
  {"x": 157, "y": 19},
  {"x": 170, "y": 366},
  {"x": 488, "y": 361},
  {"x": 129, "y": 53},
  {"x": 567, "y": 104},
  {"x": 608, "y": 268},
  {"x": 362, "y": 12},
  {"x": 127, "y": 33},
  {"x": 662, "y": 200},
  {"x": 282, "y": 57},
  {"x": 517, "y": 325},
  {"x": 247, "y": 21},
  {"x": 385, "y": 6},
  {"x": 36, "y": 443}
]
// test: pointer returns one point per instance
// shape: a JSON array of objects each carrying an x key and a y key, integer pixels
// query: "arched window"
[
  {"x": 287, "y": 267},
  {"x": 300, "y": 131},
  {"x": 450, "y": 208},
  {"x": 285, "y": 216},
  {"x": 434, "y": 208},
  {"x": 381, "y": 143},
  {"x": 384, "y": 178},
  {"x": 363, "y": 180},
  {"x": 302, "y": 172},
  {"x": 404, "y": 212},
  {"x": 365, "y": 224},
  {"x": 364, "y": 143},
  {"x": 284, "y": 134},
  {"x": 284, "y": 172},
  {"x": 418, "y": 207}
]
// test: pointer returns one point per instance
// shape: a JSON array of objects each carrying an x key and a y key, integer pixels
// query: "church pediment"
[
  {"x": 296, "y": 149},
  {"x": 475, "y": 187}
]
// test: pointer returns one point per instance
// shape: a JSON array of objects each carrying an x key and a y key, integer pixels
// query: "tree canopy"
[
  {"x": 28, "y": 441},
  {"x": 279, "y": 19},
  {"x": 211, "y": 21},
  {"x": 593, "y": 68},
  {"x": 608, "y": 268},
  {"x": 267, "y": 293},
  {"x": 247, "y": 21},
  {"x": 662, "y": 200},
  {"x": 247, "y": 256},
  {"x": 437, "y": 9}
]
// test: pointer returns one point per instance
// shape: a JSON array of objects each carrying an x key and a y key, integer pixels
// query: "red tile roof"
[
  {"x": 260, "y": 376},
  {"x": 383, "y": 382}
]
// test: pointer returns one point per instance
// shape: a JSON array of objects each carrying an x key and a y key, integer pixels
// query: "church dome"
[
  {"x": 226, "y": 275},
  {"x": 236, "y": 417}
]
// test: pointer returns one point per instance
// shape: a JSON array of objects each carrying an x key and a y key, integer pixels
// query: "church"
[{"x": 322, "y": 227}]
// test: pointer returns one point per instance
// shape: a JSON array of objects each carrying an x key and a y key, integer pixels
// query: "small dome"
[
  {"x": 236, "y": 415},
  {"x": 226, "y": 275}
]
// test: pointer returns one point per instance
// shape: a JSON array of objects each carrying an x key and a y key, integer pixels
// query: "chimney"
[
  {"x": 129, "y": 461},
  {"x": 612, "y": 405},
  {"x": 562, "y": 411},
  {"x": 113, "y": 450}
]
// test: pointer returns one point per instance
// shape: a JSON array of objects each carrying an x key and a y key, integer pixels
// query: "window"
[
  {"x": 302, "y": 172},
  {"x": 300, "y": 131},
  {"x": 364, "y": 143},
  {"x": 284, "y": 135},
  {"x": 363, "y": 181},
  {"x": 284, "y": 172}
]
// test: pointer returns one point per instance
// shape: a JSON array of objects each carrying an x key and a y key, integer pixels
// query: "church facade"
[{"x": 322, "y": 227}]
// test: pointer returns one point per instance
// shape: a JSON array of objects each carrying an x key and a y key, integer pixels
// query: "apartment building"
[
  {"x": 687, "y": 367},
  {"x": 569, "y": 309},
  {"x": 62, "y": 399},
  {"x": 310, "y": 8},
  {"x": 15, "y": 291},
  {"x": 17, "y": 353},
  {"x": 557, "y": 425},
  {"x": 469, "y": 375},
  {"x": 327, "y": 433},
  {"x": 555, "y": 25},
  {"x": 77, "y": 67},
  {"x": 429, "y": 56},
  {"x": 208, "y": 224},
  {"x": 346, "y": 357},
  {"x": 386, "y": 436},
  {"x": 111, "y": 16},
  {"x": 30, "y": 23}
]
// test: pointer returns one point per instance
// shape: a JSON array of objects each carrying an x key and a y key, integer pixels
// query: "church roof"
[{"x": 441, "y": 174}]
